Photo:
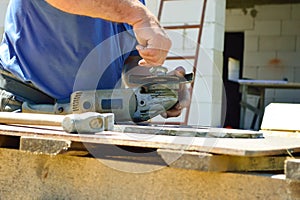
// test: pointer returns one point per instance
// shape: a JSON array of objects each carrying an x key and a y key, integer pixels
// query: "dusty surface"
[{"x": 32, "y": 176}]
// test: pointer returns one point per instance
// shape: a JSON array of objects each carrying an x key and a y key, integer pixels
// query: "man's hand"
[
  {"x": 184, "y": 98},
  {"x": 154, "y": 44}
]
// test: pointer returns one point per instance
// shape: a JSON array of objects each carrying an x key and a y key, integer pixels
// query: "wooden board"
[
  {"x": 188, "y": 132},
  {"x": 227, "y": 146},
  {"x": 209, "y": 162}
]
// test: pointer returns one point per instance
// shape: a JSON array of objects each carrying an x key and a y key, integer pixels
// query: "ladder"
[{"x": 193, "y": 57}]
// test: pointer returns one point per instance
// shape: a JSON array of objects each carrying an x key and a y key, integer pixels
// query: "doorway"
[{"x": 232, "y": 69}]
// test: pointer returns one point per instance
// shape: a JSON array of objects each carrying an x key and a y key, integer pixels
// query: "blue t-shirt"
[{"x": 59, "y": 52}]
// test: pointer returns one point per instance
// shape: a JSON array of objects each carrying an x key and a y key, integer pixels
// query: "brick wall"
[{"x": 272, "y": 46}]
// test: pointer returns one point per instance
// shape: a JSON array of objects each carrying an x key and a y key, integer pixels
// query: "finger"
[
  {"x": 173, "y": 113},
  {"x": 151, "y": 56},
  {"x": 143, "y": 63},
  {"x": 164, "y": 115},
  {"x": 178, "y": 71},
  {"x": 184, "y": 96}
]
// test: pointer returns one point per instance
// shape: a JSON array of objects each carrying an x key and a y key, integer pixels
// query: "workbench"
[
  {"x": 145, "y": 162},
  {"x": 258, "y": 88}
]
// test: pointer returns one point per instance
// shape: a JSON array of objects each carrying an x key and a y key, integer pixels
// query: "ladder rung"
[
  {"x": 169, "y": 0},
  {"x": 183, "y": 26},
  {"x": 180, "y": 57}
]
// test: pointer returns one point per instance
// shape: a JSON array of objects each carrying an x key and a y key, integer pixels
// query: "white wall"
[
  {"x": 3, "y": 6},
  {"x": 272, "y": 46},
  {"x": 207, "y": 96}
]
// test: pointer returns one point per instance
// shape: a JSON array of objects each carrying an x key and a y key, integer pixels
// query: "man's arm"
[{"x": 154, "y": 43}]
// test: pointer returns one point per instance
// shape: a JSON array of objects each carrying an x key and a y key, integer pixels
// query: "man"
[{"x": 60, "y": 46}]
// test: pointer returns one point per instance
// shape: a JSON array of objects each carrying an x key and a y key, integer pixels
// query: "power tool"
[{"x": 152, "y": 96}]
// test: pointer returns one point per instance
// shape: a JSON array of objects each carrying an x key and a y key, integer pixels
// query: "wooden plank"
[
  {"x": 209, "y": 162},
  {"x": 34, "y": 176},
  {"x": 229, "y": 146},
  {"x": 188, "y": 132},
  {"x": 31, "y": 118}
]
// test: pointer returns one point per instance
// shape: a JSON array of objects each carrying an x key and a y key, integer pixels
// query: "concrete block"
[
  {"x": 291, "y": 27},
  {"x": 297, "y": 74},
  {"x": 3, "y": 7},
  {"x": 215, "y": 11},
  {"x": 190, "y": 12},
  {"x": 250, "y": 72},
  {"x": 292, "y": 169},
  {"x": 271, "y": 73},
  {"x": 210, "y": 62},
  {"x": 4, "y": 1},
  {"x": 184, "y": 39},
  {"x": 202, "y": 92},
  {"x": 1, "y": 32},
  {"x": 177, "y": 38},
  {"x": 216, "y": 120},
  {"x": 43, "y": 146},
  {"x": 296, "y": 11},
  {"x": 200, "y": 114},
  {"x": 258, "y": 58},
  {"x": 270, "y": 93},
  {"x": 273, "y": 12},
  {"x": 153, "y": 6},
  {"x": 287, "y": 95},
  {"x": 251, "y": 43},
  {"x": 298, "y": 44},
  {"x": 289, "y": 73},
  {"x": 213, "y": 36},
  {"x": 271, "y": 27},
  {"x": 208, "y": 89},
  {"x": 238, "y": 22},
  {"x": 281, "y": 116},
  {"x": 277, "y": 43},
  {"x": 289, "y": 58}
]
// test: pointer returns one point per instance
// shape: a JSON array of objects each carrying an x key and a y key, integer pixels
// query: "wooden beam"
[
  {"x": 209, "y": 162},
  {"x": 188, "y": 132},
  {"x": 33, "y": 176},
  {"x": 228, "y": 146}
]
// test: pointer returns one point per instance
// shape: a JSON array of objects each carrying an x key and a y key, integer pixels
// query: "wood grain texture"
[
  {"x": 267, "y": 146},
  {"x": 188, "y": 132},
  {"x": 210, "y": 162},
  {"x": 30, "y": 119},
  {"x": 34, "y": 176}
]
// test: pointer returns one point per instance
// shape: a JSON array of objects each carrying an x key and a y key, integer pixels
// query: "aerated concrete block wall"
[
  {"x": 272, "y": 46},
  {"x": 207, "y": 95},
  {"x": 3, "y": 6}
]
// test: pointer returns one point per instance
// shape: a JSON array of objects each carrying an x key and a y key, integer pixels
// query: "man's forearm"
[
  {"x": 154, "y": 43},
  {"x": 127, "y": 11}
]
